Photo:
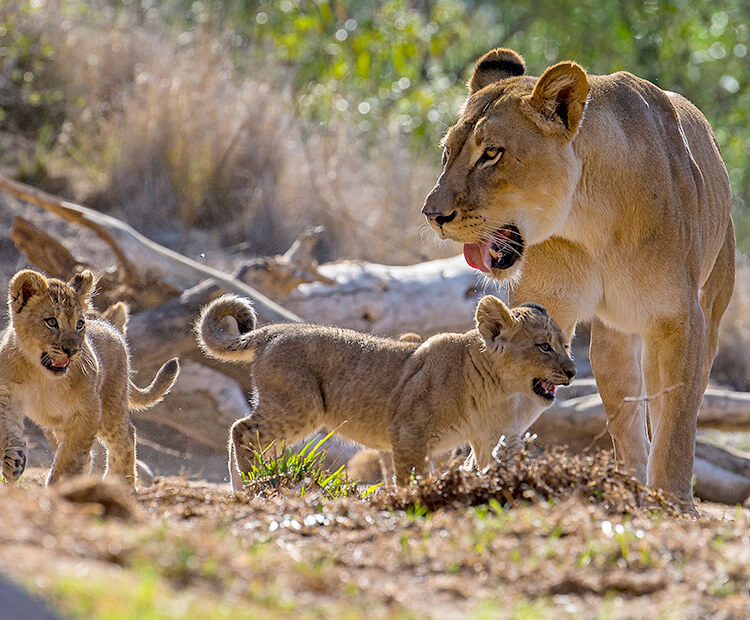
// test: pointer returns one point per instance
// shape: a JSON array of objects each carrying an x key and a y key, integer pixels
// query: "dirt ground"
[{"x": 555, "y": 535}]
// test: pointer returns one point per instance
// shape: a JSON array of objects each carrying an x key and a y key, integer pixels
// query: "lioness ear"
[
  {"x": 559, "y": 98},
  {"x": 492, "y": 317},
  {"x": 494, "y": 66},
  {"x": 23, "y": 286},
  {"x": 82, "y": 283}
]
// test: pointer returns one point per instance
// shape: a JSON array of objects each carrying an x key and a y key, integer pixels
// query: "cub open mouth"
[
  {"x": 54, "y": 366},
  {"x": 499, "y": 251},
  {"x": 544, "y": 388}
]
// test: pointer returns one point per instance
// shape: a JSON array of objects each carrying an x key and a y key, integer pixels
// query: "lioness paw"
[{"x": 14, "y": 462}]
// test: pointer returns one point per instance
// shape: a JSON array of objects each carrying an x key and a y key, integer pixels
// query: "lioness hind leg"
[
  {"x": 616, "y": 362},
  {"x": 673, "y": 363},
  {"x": 714, "y": 297}
]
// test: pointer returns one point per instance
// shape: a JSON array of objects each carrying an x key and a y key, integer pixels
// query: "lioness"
[
  {"x": 411, "y": 398},
  {"x": 605, "y": 199},
  {"x": 70, "y": 374}
]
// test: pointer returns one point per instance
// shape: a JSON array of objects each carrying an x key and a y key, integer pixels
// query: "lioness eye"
[
  {"x": 544, "y": 346},
  {"x": 445, "y": 155},
  {"x": 79, "y": 325},
  {"x": 490, "y": 155},
  {"x": 51, "y": 322}
]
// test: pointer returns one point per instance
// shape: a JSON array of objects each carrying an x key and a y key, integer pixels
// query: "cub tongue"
[{"x": 477, "y": 255}]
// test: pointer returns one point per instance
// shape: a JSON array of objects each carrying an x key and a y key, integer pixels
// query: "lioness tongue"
[{"x": 477, "y": 255}]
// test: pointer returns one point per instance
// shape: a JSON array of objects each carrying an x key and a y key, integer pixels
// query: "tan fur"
[
  {"x": 623, "y": 203},
  {"x": 411, "y": 398},
  {"x": 69, "y": 374}
]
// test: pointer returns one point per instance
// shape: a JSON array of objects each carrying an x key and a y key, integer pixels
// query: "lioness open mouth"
[
  {"x": 51, "y": 364},
  {"x": 544, "y": 388},
  {"x": 499, "y": 251}
]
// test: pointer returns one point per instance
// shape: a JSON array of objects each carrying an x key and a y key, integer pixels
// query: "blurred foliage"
[
  {"x": 29, "y": 90},
  {"x": 398, "y": 67}
]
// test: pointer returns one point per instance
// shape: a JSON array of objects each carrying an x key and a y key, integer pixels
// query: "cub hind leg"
[{"x": 275, "y": 418}]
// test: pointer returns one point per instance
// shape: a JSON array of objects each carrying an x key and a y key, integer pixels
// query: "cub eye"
[
  {"x": 51, "y": 322},
  {"x": 545, "y": 346},
  {"x": 80, "y": 325}
]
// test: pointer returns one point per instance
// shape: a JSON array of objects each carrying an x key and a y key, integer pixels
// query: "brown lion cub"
[
  {"x": 411, "y": 398},
  {"x": 70, "y": 374}
]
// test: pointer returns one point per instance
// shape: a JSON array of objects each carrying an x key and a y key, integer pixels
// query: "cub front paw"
[{"x": 14, "y": 462}]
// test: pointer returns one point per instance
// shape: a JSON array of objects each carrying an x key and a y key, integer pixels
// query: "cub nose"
[
  {"x": 570, "y": 372},
  {"x": 69, "y": 351}
]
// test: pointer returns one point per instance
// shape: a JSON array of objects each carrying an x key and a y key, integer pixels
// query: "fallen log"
[
  {"x": 584, "y": 416},
  {"x": 427, "y": 298},
  {"x": 141, "y": 261}
]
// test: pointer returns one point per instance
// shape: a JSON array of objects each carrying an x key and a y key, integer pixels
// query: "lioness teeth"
[{"x": 493, "y": 253}]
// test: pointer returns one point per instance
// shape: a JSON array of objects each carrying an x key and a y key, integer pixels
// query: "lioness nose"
[
  {"x": 444, "y": 219},
  {"x": 69, "y": 351},
  {"x": 437, "y": 208}
]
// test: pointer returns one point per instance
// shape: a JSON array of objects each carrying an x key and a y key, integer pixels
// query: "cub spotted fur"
[
  {"x": 604, "y": 198},
  {"x": 70, "y": 374},
  {"x": 411, "y": 398}
]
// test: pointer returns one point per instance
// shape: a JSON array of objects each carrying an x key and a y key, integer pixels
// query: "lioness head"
[
  {"x": 527, "y": 344},
  {"x": 509, "y": 171},
  {"x": 48, "y": 317}
]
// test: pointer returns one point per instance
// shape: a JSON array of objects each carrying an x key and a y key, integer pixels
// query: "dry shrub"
[
  {"x": 175, "y": 135},
  {"x": 732, "y": 363},
  {"x": 554, "y": 475}
]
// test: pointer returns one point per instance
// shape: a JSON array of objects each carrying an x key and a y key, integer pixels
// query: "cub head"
[
  {"x": 509, "y": 171},
  {"x": 48, "y": 317},
  {"x": 526, "y": 347}
]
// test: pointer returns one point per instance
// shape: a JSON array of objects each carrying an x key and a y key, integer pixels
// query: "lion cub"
[
  {"x": 71, "y": 375},
  {"x": 411, "y": 398}
]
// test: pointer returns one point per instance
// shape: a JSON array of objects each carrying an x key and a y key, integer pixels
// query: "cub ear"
[
  {"x": 494, "y": 66},
  {"x": 23, "y": 286},
  {"x": 492, "y": 318},
  {"x": 559, "y": 98},
  {"x": 83, "y": 283}
]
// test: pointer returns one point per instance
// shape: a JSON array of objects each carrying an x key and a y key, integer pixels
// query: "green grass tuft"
[{"x": 274, "y": 469}]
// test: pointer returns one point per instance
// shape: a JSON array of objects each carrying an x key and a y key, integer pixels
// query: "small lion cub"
[
  {"x": 407, "y": 397},
  {"x": 71, "y": 375}
]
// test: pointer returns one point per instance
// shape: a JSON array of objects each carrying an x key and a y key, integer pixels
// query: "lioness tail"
[
  {"x": 143, "y": 398},
  {"x": 220, "y": 344}
]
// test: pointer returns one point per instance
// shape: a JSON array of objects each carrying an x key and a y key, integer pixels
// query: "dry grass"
[{"x": 165, "y": 129}]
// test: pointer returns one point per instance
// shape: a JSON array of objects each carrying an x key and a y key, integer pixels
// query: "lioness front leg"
[
  {"x": 75, "y": 443},
  {"x": 674, "y": 354},
  {"x": 616, "y": 362}
]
